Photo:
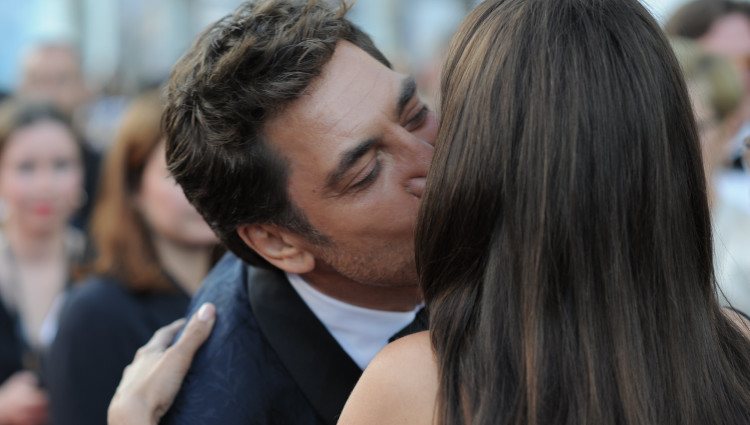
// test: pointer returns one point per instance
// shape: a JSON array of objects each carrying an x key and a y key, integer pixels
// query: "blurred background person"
[
  {"x": 40, "y": 188},
  {"x": 716, "y": 89},
  {"x": 153, "y": 251},
  {"x": 51, "y": 72},
  {"x": 720, "y": 30},
  {"x": 722, "y": 27}
]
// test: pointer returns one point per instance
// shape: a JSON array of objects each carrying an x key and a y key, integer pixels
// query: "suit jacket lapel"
[{"x": 320, "y": 367}]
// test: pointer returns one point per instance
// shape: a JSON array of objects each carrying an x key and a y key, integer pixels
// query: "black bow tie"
[{"x": 421, "y": 323}]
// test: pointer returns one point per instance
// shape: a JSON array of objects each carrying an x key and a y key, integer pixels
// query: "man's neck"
[{"x": 386, "y": 298}]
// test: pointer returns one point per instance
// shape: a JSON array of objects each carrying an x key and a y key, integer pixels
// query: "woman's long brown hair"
[
  {"x": 121, "y": 237},
  {"x": 564, "y": 245}
]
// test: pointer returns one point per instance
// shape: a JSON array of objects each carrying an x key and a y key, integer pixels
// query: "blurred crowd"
[
  {"x": 99, "y": 247},
  {"x": 712, "y": 44}
]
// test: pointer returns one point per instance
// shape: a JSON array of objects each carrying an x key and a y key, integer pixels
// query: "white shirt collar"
[{"x": 361, "y": 332}]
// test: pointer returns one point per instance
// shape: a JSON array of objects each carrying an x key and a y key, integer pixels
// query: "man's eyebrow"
[
  {"x": 347, "y": 160},
  {"x": 408, "y": 90}
]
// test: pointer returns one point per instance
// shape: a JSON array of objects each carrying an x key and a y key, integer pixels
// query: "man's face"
[
  {"x": 730, "y": 36},
  {"x": 358, "y": 146},
  {"x": 53, "y": 74}
]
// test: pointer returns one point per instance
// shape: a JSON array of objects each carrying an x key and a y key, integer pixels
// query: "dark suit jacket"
[
  {"x": 11, "y": 345},
  {"x": 269, "y": 360}
]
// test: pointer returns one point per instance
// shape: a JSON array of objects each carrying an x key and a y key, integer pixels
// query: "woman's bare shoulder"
[{"x": 398, "y": 387}]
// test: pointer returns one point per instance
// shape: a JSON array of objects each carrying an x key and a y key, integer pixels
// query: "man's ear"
[{"x": 277, "y": 246}]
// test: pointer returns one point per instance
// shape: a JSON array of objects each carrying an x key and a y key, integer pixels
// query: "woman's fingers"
[
  {"x": 150, "y": 384},
  {"x": 164, "y": 336},
  {"x": 196, "y": 332}
]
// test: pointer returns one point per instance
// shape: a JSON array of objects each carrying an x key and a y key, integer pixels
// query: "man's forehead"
[
  {"x": 352, "y": 90},
  {"x": 44, "y": 57}
]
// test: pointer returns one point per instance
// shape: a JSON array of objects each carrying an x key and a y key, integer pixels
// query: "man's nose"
[
  {"x": 420, "y": 155},
  {"x": 415, "y": 186},
  {"x": 423, "y": 152}
]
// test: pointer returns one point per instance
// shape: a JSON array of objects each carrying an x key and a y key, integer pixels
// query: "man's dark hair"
[
  {"x": 241, "y": 71},
  {"x": 694, "y": 19}
]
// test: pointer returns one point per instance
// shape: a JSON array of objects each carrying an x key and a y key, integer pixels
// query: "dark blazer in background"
[
  {"x": 101, "y": 327},
  {"x": 269, "y": 360},
  {"x": 11, "y": 345}
]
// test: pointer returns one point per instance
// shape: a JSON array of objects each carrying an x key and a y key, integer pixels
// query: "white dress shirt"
[{"x": 361, "y": 332}]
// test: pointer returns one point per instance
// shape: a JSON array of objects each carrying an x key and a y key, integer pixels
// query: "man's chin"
[{"x": 398, "y": 283}]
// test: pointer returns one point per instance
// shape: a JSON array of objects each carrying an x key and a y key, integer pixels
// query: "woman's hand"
[
  {"x": 150, "y": 384},
  {"x": 21, "y": 401}
]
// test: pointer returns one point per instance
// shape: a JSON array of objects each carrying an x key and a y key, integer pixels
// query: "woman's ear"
[{"x": 277, "y": 246}]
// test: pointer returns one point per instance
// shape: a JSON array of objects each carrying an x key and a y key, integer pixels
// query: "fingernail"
[{"x": 206, "y": 313}]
